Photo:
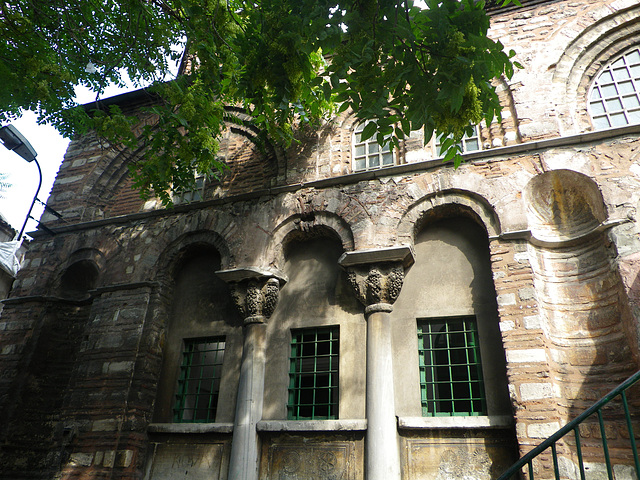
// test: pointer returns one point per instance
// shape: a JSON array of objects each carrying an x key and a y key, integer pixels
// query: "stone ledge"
[
  {"x": 437, "y": 423},
  {"x": 190, "y": 428},
  {"x": 311, "y": 425}
]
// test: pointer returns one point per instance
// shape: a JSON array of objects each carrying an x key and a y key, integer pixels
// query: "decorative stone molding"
[
  {"x": 254, "y": 291},
  {"x": 377, "y": 275}
]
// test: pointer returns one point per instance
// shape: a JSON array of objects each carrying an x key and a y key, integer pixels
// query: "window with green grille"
[
  {"x": 199, "y": 381},
  {"x": 450, "y": 368},
  {"x": 313, "y": 374}
]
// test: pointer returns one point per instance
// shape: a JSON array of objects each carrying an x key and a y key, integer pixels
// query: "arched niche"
[
  {"x": 563, "y": 205},
  {"x": 316, "y": 299},
  {"x": 200, "y": 313},
  {"x": 585, "y": 56},
  {"x": 444, "y": 204},
  {"x": 81, "y": 274},
  {"x": 451, "y": 281},
  {"x": 306, "y": 226}
]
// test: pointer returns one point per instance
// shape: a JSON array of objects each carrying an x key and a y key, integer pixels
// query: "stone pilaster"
[
  {"x": 255, "y": 293},
  {"x": 376, "y": 277}
]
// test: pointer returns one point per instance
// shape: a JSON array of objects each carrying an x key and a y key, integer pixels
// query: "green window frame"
[
  {"x": 313, "y": 374},
  {"x": 451, "y": 382},
  {"x": 199, "y": 380}
]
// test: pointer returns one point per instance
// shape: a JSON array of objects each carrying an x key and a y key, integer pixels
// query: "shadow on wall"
[{"x": 38, "y": 421}]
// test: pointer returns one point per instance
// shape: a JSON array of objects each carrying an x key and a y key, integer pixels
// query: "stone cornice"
[{"x": 493, "y": 154}]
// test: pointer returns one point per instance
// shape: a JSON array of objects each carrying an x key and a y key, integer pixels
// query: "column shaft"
[
  {"x": 383, "y": 456},
  {"x": 243, "y": 464}
]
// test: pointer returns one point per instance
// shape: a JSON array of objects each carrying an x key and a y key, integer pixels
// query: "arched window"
[
  {"x": 369, "y": 154},
  {"x": 614, "y": 99}
]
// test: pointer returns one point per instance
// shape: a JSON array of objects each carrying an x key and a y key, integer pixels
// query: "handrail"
[{"x": 573, "y": 426}]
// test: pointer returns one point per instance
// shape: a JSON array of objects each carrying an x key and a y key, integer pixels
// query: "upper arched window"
[
  {"x": 614, "y": 99},
  {"x": 369, "y": 154}
]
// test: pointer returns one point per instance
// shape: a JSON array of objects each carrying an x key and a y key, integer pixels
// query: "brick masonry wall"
[{"x": 98, "y": 427}]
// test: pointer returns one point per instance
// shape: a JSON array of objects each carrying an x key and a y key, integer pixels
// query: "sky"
[{"x": 50, "y": 148}]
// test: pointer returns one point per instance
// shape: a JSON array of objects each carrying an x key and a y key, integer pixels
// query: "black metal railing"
[{"x": 573, "y": 426}]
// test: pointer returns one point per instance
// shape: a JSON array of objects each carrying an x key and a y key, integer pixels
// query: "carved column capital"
[
  {"x": 254, "y": 291},
  {"x": 377, "y": 275}
]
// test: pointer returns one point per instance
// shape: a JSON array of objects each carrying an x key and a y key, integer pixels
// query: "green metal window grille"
[
  {"x": 199, "y": 381},
  {"x": 450, "y": 367},
  {"x": 313, "y": 374}
]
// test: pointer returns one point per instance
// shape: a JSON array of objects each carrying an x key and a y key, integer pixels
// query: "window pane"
[
  {"x": 199, "y": 382},
  {"x": 605, "y": 77},
  {"x": 633, "y": 57},
  {"x": 601, "y": 122},
  {"x": 631, "y": 102},
  {"x": 360, "y": 150},
  {"x": 614, "y": 105},
  {"x": 634, "y": 116},
  {"x": 618, "y": 119},
  {"x": 450, "y": 369},
  {"x": 313, "y": 374},
  {"x": 620, "y": 74},
  {"x": 626, "y": 87},
  {"x": 609, "y": 90},
  {"x": 597, "y": 108},
  {"x": 618, "y": 63},
  {"x": 472, "y": 145}
]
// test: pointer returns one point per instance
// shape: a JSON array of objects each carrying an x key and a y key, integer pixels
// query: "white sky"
[{"x": 50, "y": 147}]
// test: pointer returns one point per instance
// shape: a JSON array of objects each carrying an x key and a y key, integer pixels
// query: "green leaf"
[{"x": 368, "y": 131}]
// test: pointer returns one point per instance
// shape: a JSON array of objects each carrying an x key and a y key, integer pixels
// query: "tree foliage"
[{"x": 288, "y": 63}]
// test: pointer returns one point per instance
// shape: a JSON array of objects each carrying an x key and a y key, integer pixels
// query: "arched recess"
[
  {"x": 447, "y": 203},
  {"x": 314, "y": 223},
  {"x": 80, "y": 274},
  {"x": 42, "y": 390},
  {"x": 445, "y": 316},
  {"x": 201, "y": 318},
  {"x": 589, "y": 332},
  {"x": 173, "y": 254},
  {"x": 582, "y": 300},
  {"x": 112, "y": 188},
  {"x": 317, "y": 302},
  {"x": 587, "y": 54}
]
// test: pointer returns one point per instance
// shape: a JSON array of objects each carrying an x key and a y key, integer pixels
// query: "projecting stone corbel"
[
  {"x": 377, "y": 275},
  {"x": 254, "y": 291}
]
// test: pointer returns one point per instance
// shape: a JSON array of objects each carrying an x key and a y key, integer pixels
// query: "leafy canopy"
[{"x": 288, "y": 63}]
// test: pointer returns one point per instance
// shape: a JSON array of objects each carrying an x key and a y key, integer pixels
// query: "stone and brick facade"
[{"x": 534, "y": 237}]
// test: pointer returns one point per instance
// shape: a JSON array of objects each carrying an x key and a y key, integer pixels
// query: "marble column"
[
  {"x": 255, "y": 292},
  {"x": 376, "y": 277}
]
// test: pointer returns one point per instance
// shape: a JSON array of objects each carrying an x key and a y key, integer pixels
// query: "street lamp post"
[{"x": 15, "y": 141}]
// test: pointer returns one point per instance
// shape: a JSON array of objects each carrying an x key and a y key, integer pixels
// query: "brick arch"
[
  {"x": 588, "y": 53},
  {"x": 173, "y": 254},
  {"x": 87, "y": 264},
  {"x": 319, "y": 223},
  {"x": 109, "y": 184},
  {"x": 447, "y": 203}
]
